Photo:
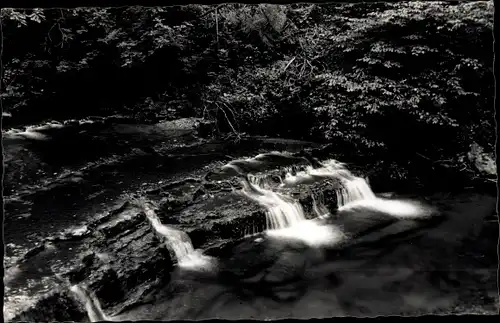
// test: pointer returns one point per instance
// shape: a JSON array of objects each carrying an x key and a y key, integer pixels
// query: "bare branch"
[
  {"x": 232, "y": 112},
  {"x": 217, "y": 26},
  {"x": 210, "y": 11},
  {"x": 229, "y": 122},
  {"x": 48, "y": 33},
  {"x": 291, "y": 61}
]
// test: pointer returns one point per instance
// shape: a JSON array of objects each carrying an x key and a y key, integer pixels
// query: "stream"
[{"x": 109, "y": 220}]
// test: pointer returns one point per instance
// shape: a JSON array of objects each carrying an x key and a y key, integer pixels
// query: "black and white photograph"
[{"x": 259, "y": 161}]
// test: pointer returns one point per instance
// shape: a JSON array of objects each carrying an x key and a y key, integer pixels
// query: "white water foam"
[
  {"x": 397, "y": 208},
  {"x": 331, "y": 169},
  {"x": 28, "y": 134},
  {"x": 32, "y": 132},
  {"x": 311, "y": 233},
  {"x": 197, "y": 261}
]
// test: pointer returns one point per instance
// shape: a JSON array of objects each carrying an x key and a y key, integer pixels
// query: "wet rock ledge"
[{"x": 119, "y": 256}]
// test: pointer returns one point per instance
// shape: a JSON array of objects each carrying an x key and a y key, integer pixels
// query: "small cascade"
[
  {"x": 282, "y": 211},
  {"x": 353, "y": 190},
  {"x": 260, "y": 181},
  {"x": 267, "y": 182},
  {"x": 179, "y": 241},
  {"x": 251, "y": 231},
  {"x": 355, "y": 193},
  {"x": 319, "y": 207},
  {"x": 91, "y": 303},
  {"x": 285, "y": 217}
]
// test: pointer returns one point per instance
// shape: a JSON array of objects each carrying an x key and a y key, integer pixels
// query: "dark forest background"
[{"x": 405, "y": 88}]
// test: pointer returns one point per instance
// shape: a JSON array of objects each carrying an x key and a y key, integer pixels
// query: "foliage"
[
  {"x": 95, "y": 60},
  {"x": 378, "y": 78}
]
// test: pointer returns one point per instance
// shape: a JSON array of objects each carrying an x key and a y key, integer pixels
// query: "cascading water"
[
  {"x": 319, "y": 207},
  {"x": 281, "y": 211},
  {"x": 179, "y": 241},
  {"x": 285, "y": 217},
  {"x": 182, "y": 247},
  {"x": 353, "y": 190},
  {"x": 92, "y": 305}
]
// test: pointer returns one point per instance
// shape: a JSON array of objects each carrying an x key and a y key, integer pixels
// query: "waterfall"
[
  {"x": 285, "y": 218},
  {"x": 281, "y": 211},
  {"x": 351, "y": 191},
  {"x": 91, "y": 303},
  {"x": 319, "y": 207},
  {"x": 354, "y": 189},
  {"x": 350, "y": 188},
  {"x": 179, "y": 241}
]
